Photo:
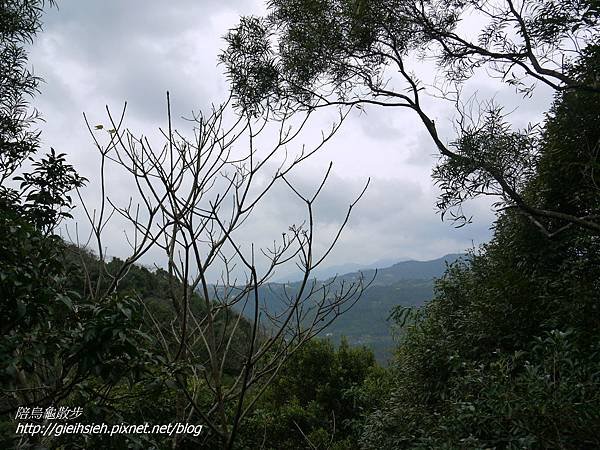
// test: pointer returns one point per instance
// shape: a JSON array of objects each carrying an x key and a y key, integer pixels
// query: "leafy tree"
[
  {"x": 318, "y": 401},
  {"x": 19, "y": 22},
  {"x": 307, "y": 54},
  {"x": 54, "y": 338},
  {"x": 506, "y": 354}
]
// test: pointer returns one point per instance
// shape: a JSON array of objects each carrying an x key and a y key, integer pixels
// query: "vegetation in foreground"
[{"x": 505, "y": 355}]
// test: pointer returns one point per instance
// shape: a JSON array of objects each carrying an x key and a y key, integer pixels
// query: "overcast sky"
[{"x": 97, "y": 53}]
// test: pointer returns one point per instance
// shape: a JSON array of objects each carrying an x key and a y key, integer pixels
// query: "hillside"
[{"x": 408, "y": 283}]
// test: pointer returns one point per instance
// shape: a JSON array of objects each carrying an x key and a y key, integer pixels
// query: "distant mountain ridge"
[
  {"x": 407, "y": 270},
  {"x": 408, "y": 283},
  {"x": 339, "y": 269}
]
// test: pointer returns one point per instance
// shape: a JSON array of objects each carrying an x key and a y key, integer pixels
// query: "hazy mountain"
[
  {"x": 406, "y": 270},
  {"x": 331, "y": 271},
  {"x": 408, "y": 283}
]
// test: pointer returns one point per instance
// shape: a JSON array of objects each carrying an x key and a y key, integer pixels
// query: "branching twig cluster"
[{"x": 194, "y": 197}]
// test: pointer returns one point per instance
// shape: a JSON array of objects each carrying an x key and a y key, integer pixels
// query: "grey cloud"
[
  {"x": 381, "y": 123},
  {"x": 395, "y": 219},
  {"x": 521, "y": 110},
  {"x": 133, "y": 51},
  {"x": 94, "y": 53}
]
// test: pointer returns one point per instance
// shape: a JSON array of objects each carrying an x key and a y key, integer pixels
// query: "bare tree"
[{"x": 193, "y": 198}]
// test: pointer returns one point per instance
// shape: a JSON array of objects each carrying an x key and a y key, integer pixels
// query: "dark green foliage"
[
  {"x": 546, "y": 396},
  {"x": 152, "y": 290},
  {"x": 341, "y": 48},
  {"x": 54, "y": 339},
  {"x": 45, "y": 191},
  {"x": 568, "y": 169},
  {"x": 20, "y": 20},
  {"x": 506, "y": 355},
  {"x": 319, "y": 399}
]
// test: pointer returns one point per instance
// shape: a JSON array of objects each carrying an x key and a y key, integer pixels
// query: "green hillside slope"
[{"x": 407, "y": 283}]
